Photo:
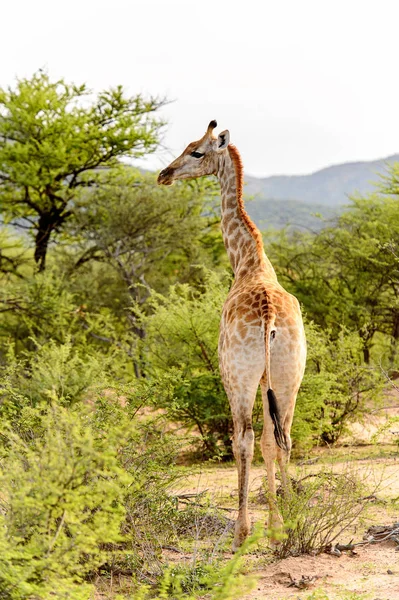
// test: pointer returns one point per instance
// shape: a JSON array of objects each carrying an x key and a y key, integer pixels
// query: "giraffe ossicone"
[{"x": 262, "y": 339}]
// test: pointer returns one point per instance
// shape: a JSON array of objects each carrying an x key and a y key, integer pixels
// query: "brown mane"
[{"x": 250, "y": 225}]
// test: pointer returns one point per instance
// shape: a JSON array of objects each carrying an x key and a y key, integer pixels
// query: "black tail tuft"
[{"x": 279, "y": 434}]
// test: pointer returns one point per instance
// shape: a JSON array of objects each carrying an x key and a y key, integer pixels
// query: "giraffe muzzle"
[{"x": 165, "y": 177}]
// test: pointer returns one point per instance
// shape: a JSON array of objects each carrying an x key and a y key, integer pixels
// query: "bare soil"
[{"x": 372, "y": 572}]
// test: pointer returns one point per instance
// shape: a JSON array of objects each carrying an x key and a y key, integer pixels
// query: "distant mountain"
[
  {"x": 293, "y": 213},
  {"x": 291, "y": 199}
]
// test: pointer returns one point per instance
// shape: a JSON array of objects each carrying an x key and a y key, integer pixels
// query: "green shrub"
[
  {"x": 57, "y": 373},
  {"x": 321, "y": 507},
  {"x": 61, "y": 502},
  {"x": 42, "y": 310},
  {"x": 86, "y": 490},
  {"x": 182, "y": 341},
  {"x": 337, "y": 388},
  {"x": 62, "y": 372}
]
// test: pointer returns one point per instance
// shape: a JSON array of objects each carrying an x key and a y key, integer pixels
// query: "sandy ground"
[{"x": 372, "y": 573}]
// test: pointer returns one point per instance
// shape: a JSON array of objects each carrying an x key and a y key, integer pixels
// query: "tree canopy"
[{"x": 54, "y": 138}]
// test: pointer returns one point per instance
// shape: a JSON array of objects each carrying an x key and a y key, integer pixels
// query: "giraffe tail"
[{"x": 279, "y": 434}]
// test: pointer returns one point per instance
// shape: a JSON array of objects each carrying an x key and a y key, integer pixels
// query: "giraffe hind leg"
[
  {"x": 283, "y": 454},
  {"x": 275, "y": 444},
  {"x": 269, "y": 452},
  {"x": 242, "y": 397}
]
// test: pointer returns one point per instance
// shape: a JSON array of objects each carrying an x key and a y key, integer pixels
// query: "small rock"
[{"x": 390, "y": 572}]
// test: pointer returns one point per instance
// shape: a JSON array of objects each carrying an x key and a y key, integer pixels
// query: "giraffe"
[{"x": 262, "y": 339}]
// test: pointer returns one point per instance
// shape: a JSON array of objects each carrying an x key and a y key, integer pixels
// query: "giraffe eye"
[{"x": 197, "y": 154}]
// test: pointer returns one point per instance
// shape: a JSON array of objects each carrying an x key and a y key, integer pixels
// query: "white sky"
[{"x": 300, "y": 84}]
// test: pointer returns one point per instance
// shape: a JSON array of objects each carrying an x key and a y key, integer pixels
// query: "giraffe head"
[{"x": 198, "y": 159}]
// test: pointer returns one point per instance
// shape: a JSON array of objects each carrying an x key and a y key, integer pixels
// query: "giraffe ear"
[{"x": 223, "y": 139}]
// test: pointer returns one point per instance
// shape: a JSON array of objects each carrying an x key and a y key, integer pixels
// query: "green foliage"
[
  {"x": 337, "y": 388},
  {"x": 60, "y": 504},
  {"x": 58, "y": 446},
  {"x": 37, "y": 307},
  {"x": 59, "y": 371},
  {"x": 43, "y": 311},
  {"x": 54, "y": 372},
  {"x": 147, "y": 237},
  {"x": 14, "y": 255},
  {"x": 82, "y": 488},
  {"x": 88, "y": 492},
  {"x": 182, "y": 338}
]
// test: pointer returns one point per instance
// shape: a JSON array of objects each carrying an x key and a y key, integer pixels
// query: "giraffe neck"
[{"x": 242, "y": 239}]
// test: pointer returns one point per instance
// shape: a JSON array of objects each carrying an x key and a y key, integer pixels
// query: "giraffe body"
[
  {"x": 262, "y": 340},
  {"x": 262, "y": 343}
]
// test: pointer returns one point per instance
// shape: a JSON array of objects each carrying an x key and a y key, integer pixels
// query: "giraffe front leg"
[
  {"x": 241, "y": 367},
  {"x": 243, "y": 445}
]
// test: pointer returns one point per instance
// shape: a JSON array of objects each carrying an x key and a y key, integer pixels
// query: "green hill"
[{"x": 294, "y": 200}]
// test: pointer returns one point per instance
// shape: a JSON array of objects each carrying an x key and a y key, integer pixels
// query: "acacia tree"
[
  {"x": 54, "y": 137},
  {"x": 135, "y": 237}
]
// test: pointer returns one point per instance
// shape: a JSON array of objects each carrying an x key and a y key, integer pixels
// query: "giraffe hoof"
[
  {"x": 275, "y": 530},
  {"x": 237, "y": 543},
  {"x": 234, "y": 547},
  {"x": 274, "y": 544}
]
